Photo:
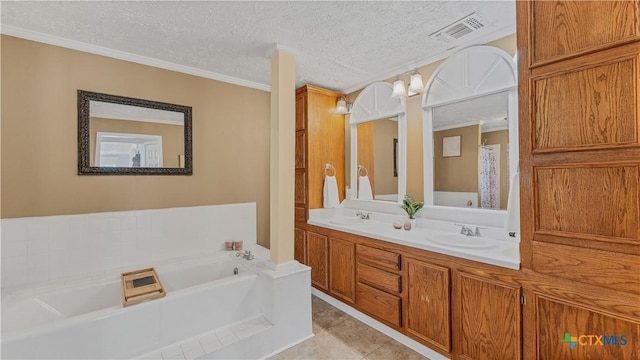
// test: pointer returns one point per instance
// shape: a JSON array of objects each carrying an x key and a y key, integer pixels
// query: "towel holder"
[
  {"x": 328, "y": 168},
  {"x": 362, "y": 169}
]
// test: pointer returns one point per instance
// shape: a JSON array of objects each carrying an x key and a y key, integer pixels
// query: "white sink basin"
[
  {"x": 456, "y": 241},
  {"x": 346, "y": 220}
]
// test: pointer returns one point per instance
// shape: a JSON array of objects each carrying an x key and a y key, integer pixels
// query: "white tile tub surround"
[
  {"x": 41, "y": 250},
  {"x": 254, "y": 314}
]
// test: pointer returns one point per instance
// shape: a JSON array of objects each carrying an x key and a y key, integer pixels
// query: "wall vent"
[{"x": 458, "y": 29}]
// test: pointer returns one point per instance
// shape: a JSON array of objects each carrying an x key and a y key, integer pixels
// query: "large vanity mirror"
[
  {"x": 470, "y": 130},
  {"x": 122, "y": 135},
  {"x": 378, "y": 145}
]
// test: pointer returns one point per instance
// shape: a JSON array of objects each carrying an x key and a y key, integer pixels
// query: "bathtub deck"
[{"x": 210, "y": 342}]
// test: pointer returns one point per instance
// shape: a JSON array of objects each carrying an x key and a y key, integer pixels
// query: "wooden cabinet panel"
[
  {"x": 300, "y": 214},
  {"x": 325, "y": 143},
  {"x": 381, "y": 258},
  {"x": 603, "y": 268},
  {"x": 379, "y": 278},
  {"x": 301, "y": 152},
  {"x": 489, "y": 319},
  {"x": 382, "y": 306},
  {"x": 300, "y": 188},
  {"x": 564, "y": 28},
  {"x": 317, "y": 259},
  {"x": 300, "y": 245},
  {"x": 301, "y": 111},
  {"x": 568, "y": 331},
  {"x": 587, "y": 108},
  {"x": 428, "y": 303},
  {"x": 342, "y": 259},
  {"x": 598, "y": 202}
]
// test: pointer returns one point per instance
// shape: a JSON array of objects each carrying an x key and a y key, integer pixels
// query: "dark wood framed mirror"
[{"x": 119, "y": 135}]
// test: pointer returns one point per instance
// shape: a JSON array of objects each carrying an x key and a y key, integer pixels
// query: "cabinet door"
[
  {"x": 317, "y": 250},
  {"x": 301, "y": 111},
  {"x": 489, "y": 319},
  {"x": 428, "y": 316},
  {"x": 342, "y": 256},
  {"x": 567, "y": 330},
  {"x": 300, "y": 245}
]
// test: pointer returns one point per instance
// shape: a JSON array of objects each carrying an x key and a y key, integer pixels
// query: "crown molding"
[
  {"x": 486, "y": 38},
  {"x": 121, "y": 55}
]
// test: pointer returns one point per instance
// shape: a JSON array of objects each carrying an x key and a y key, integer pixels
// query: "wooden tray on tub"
[{"x": 140, "y": 285}]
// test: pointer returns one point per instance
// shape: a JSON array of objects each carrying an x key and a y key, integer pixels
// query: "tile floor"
[{"x": 339, "y": 336}]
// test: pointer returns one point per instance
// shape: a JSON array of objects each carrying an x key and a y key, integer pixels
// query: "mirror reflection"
[
  {"x": 130, "y": 136},
  {"x": 377, "y": 160},
  {"x": 471, "y": 153},
  {"x": 120, "y": 135}
]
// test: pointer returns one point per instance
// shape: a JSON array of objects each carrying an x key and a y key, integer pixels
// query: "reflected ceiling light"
[
  {"x": 398, "y": 88},
  {"x": 343, "y": 107},
  {"x": 415, "y": 85}
]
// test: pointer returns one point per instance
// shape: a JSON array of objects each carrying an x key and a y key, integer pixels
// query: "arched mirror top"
[
  {"x": 470, "y": 72},
  {"x": 375, "y": 102}
]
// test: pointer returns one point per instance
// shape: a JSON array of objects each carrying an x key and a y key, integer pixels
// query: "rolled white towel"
[
  {"x": 512, "y": 223},
  {"x": 364, "y": 188},
  {"x": 330, "y": 192}
]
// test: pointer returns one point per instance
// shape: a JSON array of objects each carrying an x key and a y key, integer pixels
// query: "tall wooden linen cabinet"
[
  {"x": 319, "y": 141},
  {"x": 579, "y": 123}
]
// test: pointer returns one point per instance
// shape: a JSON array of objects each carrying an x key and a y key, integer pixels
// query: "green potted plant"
[{"x": 411, "y": 207}]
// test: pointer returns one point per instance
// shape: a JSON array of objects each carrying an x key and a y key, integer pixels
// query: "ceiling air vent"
[{"x": 458, "y": 29}]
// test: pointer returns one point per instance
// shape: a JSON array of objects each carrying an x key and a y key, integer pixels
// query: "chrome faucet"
[
  {"x": 363, "y": 216},
  {"x": 247, "y": 255},
  {"x": 465, "y": 230}
]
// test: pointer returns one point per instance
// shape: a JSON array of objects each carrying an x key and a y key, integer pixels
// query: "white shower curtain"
[{"x": 489, "y": 190}]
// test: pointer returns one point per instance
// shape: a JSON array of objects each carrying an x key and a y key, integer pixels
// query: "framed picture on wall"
[{"x": 451, "y": 146}]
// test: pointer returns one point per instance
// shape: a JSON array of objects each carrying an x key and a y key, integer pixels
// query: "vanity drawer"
[
  {"x": 385, "y": 307},
  {"x": 381, "y": 258},
  {"x": 379, "y": 278}
]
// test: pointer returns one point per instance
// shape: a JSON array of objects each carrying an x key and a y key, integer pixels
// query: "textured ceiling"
[{"x": 342, "y": 45}]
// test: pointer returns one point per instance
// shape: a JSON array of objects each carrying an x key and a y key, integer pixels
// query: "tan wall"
[
  {"x": 39, "y": 136},
  {"x": 415, "y": 163},
  {"x": 500, "y": 137},
  {"x": 457, "y": 173},
  {"x": 172, "y": 136},
  {"x": 385, "y": 132}
]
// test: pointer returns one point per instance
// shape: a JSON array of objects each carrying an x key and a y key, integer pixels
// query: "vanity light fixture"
[
  {"x": 343, "y": 107},
  {"x": 415, "y": 85},
  {"x": 398, "y": 88}
]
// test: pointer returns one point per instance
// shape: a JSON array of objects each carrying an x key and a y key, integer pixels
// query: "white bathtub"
[{"x": 86, "y": 320}]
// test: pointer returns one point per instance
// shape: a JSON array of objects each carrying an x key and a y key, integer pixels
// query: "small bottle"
[
  {"x": 407, "y": 225},
  {"x": 237, "y": 245},
  {"x": 228, "y": 245}
]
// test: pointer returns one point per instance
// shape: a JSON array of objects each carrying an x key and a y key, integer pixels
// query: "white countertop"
[{"x": 499, "y": 249}]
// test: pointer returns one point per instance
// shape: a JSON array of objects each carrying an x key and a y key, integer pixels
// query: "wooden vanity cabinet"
[
  {"x": 318, "y": 259},
  {"x": 319, "y": 140},
  {"x": 428, "y": 315},
  {"x": 487, "y": 318},
  {"x": 342, "y": 266},
  {"x": 379, "y": 284},
  {"x": 579, "y": 130}
]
